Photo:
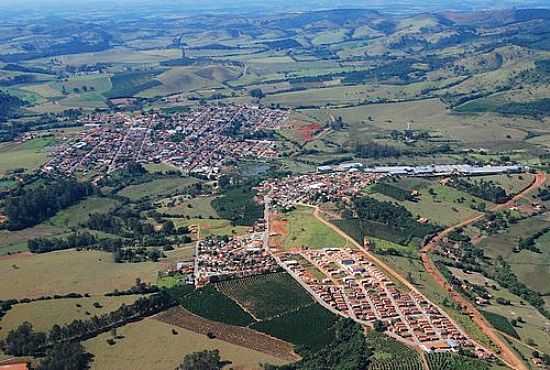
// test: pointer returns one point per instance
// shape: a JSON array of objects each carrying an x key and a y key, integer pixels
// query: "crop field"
[
  {"x": 305, "y": 230},
  {"x": 310, "y": 326},
  {"x": 70, "y": 271},
  {"x": 388, "y": 354},
  {"x": 133, "y": 350},
  {"x": 28, "y": 155},
  {"x": 157, "y": 187},
  {"x": 233, "y": 334},
  {"x": 44, "y": 314},
  {"x": 79, "y": 213},
  {"x": 213, "y": 305},
  {"x": 451, "y": 361},
  {"x": 530, "y": 267},
  {"x": 130, "y": 84},
  {"x": 268, "y": 295},
  {"x": 193, "y": 208}
]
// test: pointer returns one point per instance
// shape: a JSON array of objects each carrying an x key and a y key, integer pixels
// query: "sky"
[{"x": 193, "y": 6}]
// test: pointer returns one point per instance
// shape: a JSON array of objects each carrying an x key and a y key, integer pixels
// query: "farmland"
[
  {"x": 156, "y": 188},
  {"x": 134, "y": 349},
  {"x": 29, "y": 155},
  {"x": 69, "y": 271},
  {"x": 268, "y": 295},
  {"x": 44, "y": 314}
]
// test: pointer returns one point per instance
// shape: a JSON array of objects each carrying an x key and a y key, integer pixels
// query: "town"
[{"x": 199, "y": 141}]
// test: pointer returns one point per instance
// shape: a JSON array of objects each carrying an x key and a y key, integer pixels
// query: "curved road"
[{"x": 506, "y": 353}]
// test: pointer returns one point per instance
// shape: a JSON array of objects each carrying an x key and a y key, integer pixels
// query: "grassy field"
[
  {"x": 209, "y": 227},
  {"x": 530, "y": 267},
  {"x": 390, "y": 354},
  {"x": 28, "y": 155},
  {"x": 16, "y": 241},
  {"x": 157, "y": 187},
  {"x": 513, "y": 184},
  {"x": 70, "y": 271},
  {"x": 80, "y": 212},
  {"x": 266, "y": 296},
  {"x": 442, "y": 208},
  {"x": 134, "y": 350},
  {"x": 44, "y": 314},
  {"x": 193, "y": 208},
  {"x": 305, "y": 230}
]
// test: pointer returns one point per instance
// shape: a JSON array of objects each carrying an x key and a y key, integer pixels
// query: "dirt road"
[{"x": 506, "y": 353}]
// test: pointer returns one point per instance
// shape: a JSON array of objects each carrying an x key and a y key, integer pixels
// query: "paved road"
[{"x": 506, "y": 354}]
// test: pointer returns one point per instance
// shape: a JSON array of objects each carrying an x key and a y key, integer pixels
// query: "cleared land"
[
  {"x": 44, "y": 314},
  {"x": 69, "y": 271},
  {"x": 133, "y": 351},
  {"x": 305, "y": 230},
  {"x": 193, "y": 208},
  {"x": 157, "y": 187},
  {"x": 28, "y": 155},
  {"x": 79, "y": 213}
]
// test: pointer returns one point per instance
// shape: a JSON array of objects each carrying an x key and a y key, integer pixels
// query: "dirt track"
[
  {"x": 506, "y": 354},
  {"x": 509, "y": 356}
]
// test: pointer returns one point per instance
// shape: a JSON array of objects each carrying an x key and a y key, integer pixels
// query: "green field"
[
  {"x": 310, "y": 326},
  {"x": 131, "y": 83},
  {"x": 208, "y": 227},
  {"x": 530, "y": 267},
  {"x": 16, "y": 241},
  {"x": 28, "y": 155},
  {"x": 193, "y": 208},
  {"x": 266, "y": 296},
  {"x": 157, "y": 187},
  {"x": 390, "y": 354},
  {"x": 134, "y": 350},
  {"x": 501, "y": 323},
  {"x": 70, "y": 271},
  {"x": 79, "y": 213},
  {"x": 213, "y": 305},
  {"x": 304, "y": 230},
  {"x": 44, "y": 314}
]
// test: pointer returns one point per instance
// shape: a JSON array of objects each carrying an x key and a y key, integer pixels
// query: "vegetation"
[
  {"x": 347, "y": 350},
  {"x": 501, "y": 323},
  {"x": 268, "y": 295},
  {"x": 32, "y": 205},
  {"x": 311, "y": 327},
  {"x": 213, "y": 305},
  {"x": 238, "y": 205},
  {"x": 204, "y": 360},
  {"x": 482, "y": 189},
  {"x": 451, "y": 361}
]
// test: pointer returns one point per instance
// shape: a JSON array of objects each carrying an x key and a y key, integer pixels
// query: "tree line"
[
  {"x": 31, "y": 205},
  {"x": 486, "y": 190}
]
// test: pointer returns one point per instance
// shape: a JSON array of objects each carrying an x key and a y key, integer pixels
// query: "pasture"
[
  {"x": 266, "y": 296},
  {"x": 157, "y": 187},
  {"x": 304, "y": 230},
  {"x": 193, "y": 208},
  {"x": 44, "y": 314},
  {"x": 134, "y": 349},
  {"x": 28, "y": 155},
  {"x": 530, "y": 267},
  {"x": 79, "y": 213},
  {"x": 69, "y": 271},
  {"x": 16, "y": 241},
  {"x": 209, "y": 227}
]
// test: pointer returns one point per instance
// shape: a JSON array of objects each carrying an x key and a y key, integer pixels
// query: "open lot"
[
  {"x": 70, "y": 271},
  {"x": 133, "y": 351},
  {"x": 305, "y": 230},
  {"x": 193, "y": 208}
]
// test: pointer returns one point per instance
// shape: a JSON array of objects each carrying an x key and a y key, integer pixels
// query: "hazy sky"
[{"x": 133, "y": 6}]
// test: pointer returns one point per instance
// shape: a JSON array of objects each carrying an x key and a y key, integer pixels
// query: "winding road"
[{"x": 507, "y": 355}]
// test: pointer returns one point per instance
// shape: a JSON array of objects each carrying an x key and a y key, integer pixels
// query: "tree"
[
  {"x": 379, "y": 326},
  {"x": 257, "y": 93},
  {"x": 65, "y": 356},
  {"x": 204, "y": 360}
]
